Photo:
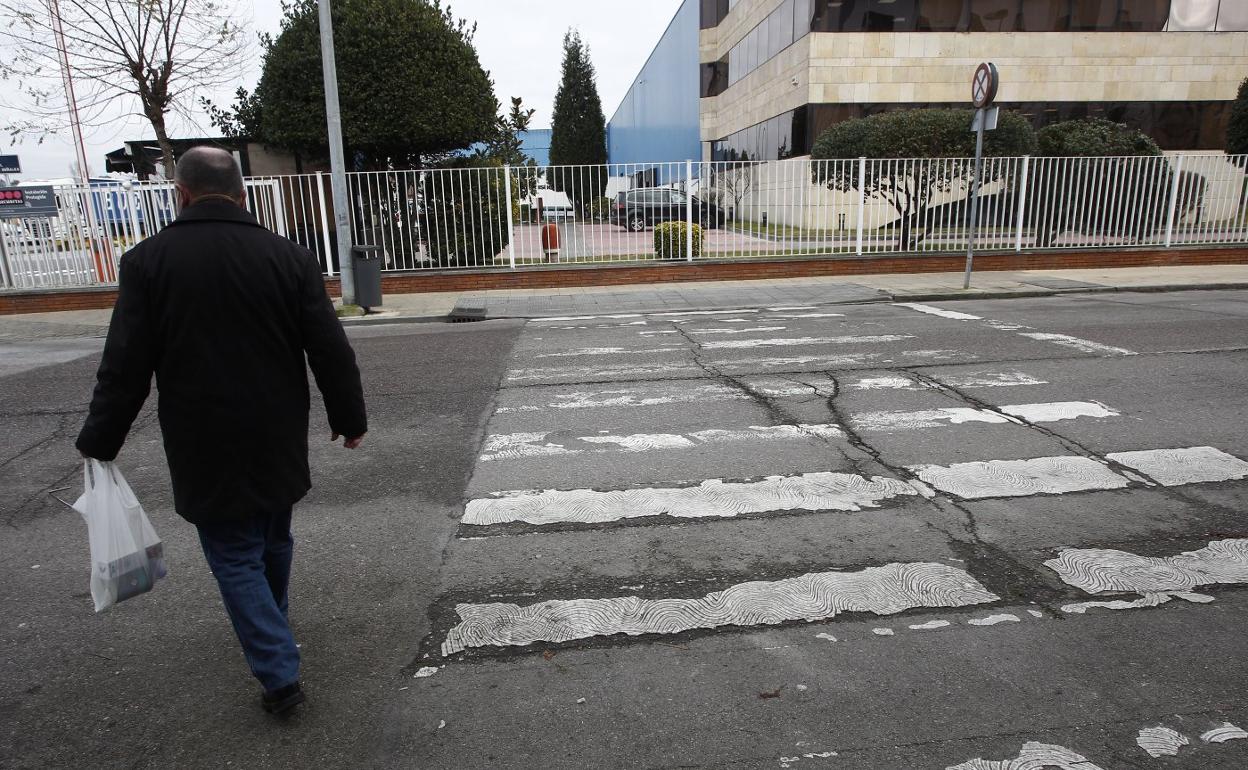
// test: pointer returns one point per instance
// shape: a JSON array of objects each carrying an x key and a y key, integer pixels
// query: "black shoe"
[{"x": 282, "y": 699}]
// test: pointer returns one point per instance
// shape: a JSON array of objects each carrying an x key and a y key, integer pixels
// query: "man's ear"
[
  {"x": 242, "y": 199},
  {"x": 183, "y": 195}
]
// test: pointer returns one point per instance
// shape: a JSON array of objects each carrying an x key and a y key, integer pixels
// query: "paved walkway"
[{"x": 538, "y": 303}]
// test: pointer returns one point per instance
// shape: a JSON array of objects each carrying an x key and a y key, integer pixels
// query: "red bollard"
[{"x": 550, "y": 241}]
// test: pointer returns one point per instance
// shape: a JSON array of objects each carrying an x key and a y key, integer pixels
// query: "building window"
[
  {"x": 1194, "y": 15},
  {"x": 713, "y": 12},
  {"x": 714, "y": 77},
  {"x": 1173, "y": 125},
  {"x": 1143, "y": 15},
  {"x": 992, "y": 15},
  {"x": 940, "y": 16},
  {"x": 1233, "y": 17}
]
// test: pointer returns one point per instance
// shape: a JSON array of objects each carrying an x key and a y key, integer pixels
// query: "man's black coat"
[{"x": 223, "y": 311}]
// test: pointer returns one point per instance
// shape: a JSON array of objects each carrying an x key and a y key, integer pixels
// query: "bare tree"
[
  {"x": 736, "y": 180},
  {"x": 142, "y": 57}
]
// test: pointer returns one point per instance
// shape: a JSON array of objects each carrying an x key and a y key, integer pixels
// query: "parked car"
[
  {"x": 648, "y": 206},
  {"x": 554, "y": 213}
]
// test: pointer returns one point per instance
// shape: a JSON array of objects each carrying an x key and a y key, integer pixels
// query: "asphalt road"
[{"x": 853, "y": 536}]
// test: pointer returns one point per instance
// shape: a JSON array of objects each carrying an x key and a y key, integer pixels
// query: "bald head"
[{"x": 209, "y": 171}]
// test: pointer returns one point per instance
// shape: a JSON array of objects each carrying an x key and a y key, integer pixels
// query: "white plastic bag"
[{"x": 127, "y": 557}]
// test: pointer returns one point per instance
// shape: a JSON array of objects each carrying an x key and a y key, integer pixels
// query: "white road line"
[
  {"x": 974, "y": 380},
  {"x": 745, "y": 330},
  {"x": 701, "y": 312},
  {"x": 796, "y": 307},
  {"x": 993, "y": 620},
  {"x": 1101, "y": 570},
  {"x": 1058, "y": 410},
  {"x": 607, "y": 352},
  {"x": 1019, "y": 478},
  {"x": 884, "y": 590},
  {"x": 711, "y": 498},
  {"x": 603, "y": 372},
  {"x": 601, "y": 326},
  {"x": 924, "y": 418},
  {"x": 992, "y": 380},
  {"x": 554, "y": 319},
  {"x": 1172, "y": 467},
  {"x": 1161, "y": 741},
  {"x": 795, "y": 316},
  {"x": 1146, "y": 600},
  {"x": 513, "y": 446},
  {"x": 930, "y": 625},
  {"x": 1222, "y": 734},
  {"x": 930, "y": 310},
  {"x": 849, "y": 340},
  {"x": 1085, "y": 346},
  {"x": 1033, "y": 757},
  {"x": 634, "y": 397}
]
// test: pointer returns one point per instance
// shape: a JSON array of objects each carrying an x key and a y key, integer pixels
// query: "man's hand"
[{"x": 350, "y": 443}]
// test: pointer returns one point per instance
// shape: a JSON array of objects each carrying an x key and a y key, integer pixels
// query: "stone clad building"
[{"x": 773, "y": 74}]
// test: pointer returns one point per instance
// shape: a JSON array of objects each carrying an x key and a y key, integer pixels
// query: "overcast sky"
[{"x": 519, "y": 43}]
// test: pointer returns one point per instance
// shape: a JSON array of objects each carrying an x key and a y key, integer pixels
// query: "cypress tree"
[{"x": 578, "y": 127}]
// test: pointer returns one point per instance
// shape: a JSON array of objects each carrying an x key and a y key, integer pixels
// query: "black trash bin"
[{"x": 367, "y": 263}]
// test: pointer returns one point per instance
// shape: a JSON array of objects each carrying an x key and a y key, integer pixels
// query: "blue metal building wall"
[
  {"x": 536, "y": 144},
  {"x": 658, "y": 119}
]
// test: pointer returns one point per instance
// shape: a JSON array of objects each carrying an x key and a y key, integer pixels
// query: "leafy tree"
[
  {"x": 1112, "y": 194},
  {"x": 410, "y": 85},
  {"x": 241, "y": 120},
  {"x": 905, "y": 134},
  {"x": 1237, "y": 126},
  {"x": 463, "y": 213},
  {"x": 578, "y": 127},
  {"x": 148, "y": 57},
  {"x": 504, "y": 147}
]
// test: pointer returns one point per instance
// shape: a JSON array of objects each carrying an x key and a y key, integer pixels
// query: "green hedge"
[{"x": 671, "y": 238}]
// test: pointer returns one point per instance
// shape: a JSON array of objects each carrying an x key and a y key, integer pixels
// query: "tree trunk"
[{"x": 166, "y": 147}]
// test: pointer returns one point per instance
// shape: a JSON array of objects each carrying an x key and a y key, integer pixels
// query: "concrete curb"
[{"x": 948, "y": 296}]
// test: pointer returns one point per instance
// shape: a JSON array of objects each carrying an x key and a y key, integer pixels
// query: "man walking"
[{"x": 223, "y": 311}]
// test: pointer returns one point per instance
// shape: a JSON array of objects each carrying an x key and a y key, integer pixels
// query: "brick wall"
[{"x": 42, "y": 301}]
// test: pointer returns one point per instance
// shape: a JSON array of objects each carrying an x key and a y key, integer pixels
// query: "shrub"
[
  {"x": 1113, "y": 194},
  {"x": 918, "y": 133},
  {"x": 671, "y": 238}
]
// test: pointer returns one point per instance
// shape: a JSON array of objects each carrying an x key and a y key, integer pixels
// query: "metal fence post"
[
  {"x": 1022, "y": 201},
  {"x": 1174, "y": 201},
  {"x": 862, "y": 199},
  {"x": 689, "y": 210},
  {"x": 7, "y": 281},
  {"x": 511, "y": 223},
  {"x": 324, "y": 217}
]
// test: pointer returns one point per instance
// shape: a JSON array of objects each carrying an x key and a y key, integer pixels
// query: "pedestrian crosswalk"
[{"x": 657, "y": 397}]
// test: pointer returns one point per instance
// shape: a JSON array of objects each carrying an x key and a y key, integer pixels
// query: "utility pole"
[{"x": 337, "y": 164}]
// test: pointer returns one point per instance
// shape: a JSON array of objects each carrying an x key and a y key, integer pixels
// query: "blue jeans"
[{"x": 251, "y": 560}]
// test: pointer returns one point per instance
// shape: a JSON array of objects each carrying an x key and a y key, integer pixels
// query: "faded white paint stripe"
[
  {"x": 884, "y": 590},
  {"x": 954, "y": 416},
  {"x": 1161, "y": 741},
  {"x": 930, "y": 310},
  {"x": 930, "y": 625},
  {"x": 992, "y": 380},
  {"x": 554, "y": 319},
  {"x": 993, "y": 620},
  {"x": 711, "y": 498},
  {"x": 632, "y": 397},
  {"x": 1033, "y": 757},
  {"x": 1222, "y": 734},
  {"x": 745, "y": 330},
  {"x": 1085, "y": 346},
  {"x": 800, "y": 315},
  {"x": 1147, "y": 600},
  {"x": 513, "y": 446},
  {"x": 1172, "y": 467},
  {"x": 607, "y": 352},
  {"x": 667, "y": 369},
  {"x": 1018, "y": 478},
  {"x": 974, "y": 380},
  {"x": 795, "y": 307},
  {"x": 1058, "y": 410},
  {"x": 849, "y": 340},
  {"x": 1101, "y": 570},
  {"x": 700, "y": 312},
  {"x": 925, "y": 418}
]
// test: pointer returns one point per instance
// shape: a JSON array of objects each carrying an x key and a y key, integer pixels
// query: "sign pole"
[
  {"x": 983, "y": 94},
  {"x": 973, "y": 216}
]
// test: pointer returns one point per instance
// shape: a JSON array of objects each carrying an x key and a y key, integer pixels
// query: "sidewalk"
[{"x": 711, "y": 295}]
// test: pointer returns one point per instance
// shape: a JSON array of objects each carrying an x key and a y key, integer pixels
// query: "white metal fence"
[{"x": 517, "y": 217}]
